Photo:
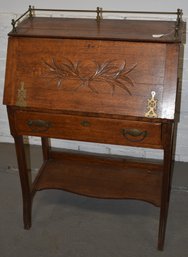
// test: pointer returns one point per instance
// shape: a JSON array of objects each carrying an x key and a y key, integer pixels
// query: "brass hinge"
[
  {"x": 152, "y": 106},
  {"x": 21, "y": 96}
]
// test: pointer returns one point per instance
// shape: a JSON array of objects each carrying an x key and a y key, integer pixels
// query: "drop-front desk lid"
[{"x": 116, "y": 67}]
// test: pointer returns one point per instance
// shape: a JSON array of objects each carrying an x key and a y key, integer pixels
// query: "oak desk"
[{"x": 95, "y": 80}]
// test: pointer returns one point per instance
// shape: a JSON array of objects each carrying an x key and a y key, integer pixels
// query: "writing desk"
[{"x": 95, "y": 80}]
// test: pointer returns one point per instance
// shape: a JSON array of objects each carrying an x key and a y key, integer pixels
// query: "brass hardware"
[
  {"x": 178, "y": 22},
  {"x": 21, "y": 96},
  {"x": 152, "y": 106},
  {"x": 39, "y": 125},
  {"x": 13, "y": 23},
  {"x": 135, "y": 133},
  {"x": 31, "y": 11},
  {"x": 99, "y": 14},
  {"x": 85, "y": 123}
]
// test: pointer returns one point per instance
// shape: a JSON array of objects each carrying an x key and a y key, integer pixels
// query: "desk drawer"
[{"x": 93, "y": 129}]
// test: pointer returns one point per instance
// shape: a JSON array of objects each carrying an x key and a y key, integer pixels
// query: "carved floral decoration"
[{"x": 109, "y": 72}]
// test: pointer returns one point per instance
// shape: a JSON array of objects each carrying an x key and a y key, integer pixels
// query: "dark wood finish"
[
  {"x": 87, "y": 128},
  {"x": 46, "y": 148},
  {"x": 78, "y": 173},
  {"x": 80, "y": 79},
  {"x": 25, "y": 181},
  {"x": 148, "y": 66},
  {"x": 107, "y": 29},
  {"x": 166, "y": 186}
]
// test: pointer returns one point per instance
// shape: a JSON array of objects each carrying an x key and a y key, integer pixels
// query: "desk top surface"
[{"x": 105, "y": 29}]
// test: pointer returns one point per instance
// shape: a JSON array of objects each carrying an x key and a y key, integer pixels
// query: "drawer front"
[{"x": 93, "y": 129}]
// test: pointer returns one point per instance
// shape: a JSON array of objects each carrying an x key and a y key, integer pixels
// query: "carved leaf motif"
[{"x": 107, "y": 72}]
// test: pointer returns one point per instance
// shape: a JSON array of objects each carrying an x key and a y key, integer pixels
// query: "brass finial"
[{"x": 99, "y": 14}]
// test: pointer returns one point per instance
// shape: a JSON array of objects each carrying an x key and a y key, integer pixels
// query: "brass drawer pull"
[
  {"x": 85, "y": 123},
  {"x": 132, "y": 134},
  {"x": 39, "y": 125}
]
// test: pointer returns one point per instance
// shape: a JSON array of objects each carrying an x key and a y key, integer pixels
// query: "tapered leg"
[
  {"x": 25, "y": 181},
  {"x": 163, "y": 218},
  {"x": 45, "y": 148},
  {"x": 166, "y": 185}
]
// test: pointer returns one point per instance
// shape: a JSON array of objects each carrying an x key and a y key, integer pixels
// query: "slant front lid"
[{"x": 97, "y": 76}]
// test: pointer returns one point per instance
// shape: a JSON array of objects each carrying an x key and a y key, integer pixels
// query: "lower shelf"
[{"x": 101, "y": 176}]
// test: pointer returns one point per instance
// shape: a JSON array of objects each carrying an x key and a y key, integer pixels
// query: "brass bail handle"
[
  {"x": 134, "y": 135},
  {"x": 39, "y": 125}
]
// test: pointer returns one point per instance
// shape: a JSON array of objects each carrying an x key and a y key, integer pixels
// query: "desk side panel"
[{"x": 10, "y": 74}]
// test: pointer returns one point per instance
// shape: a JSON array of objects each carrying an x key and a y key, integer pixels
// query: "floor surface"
[{"x": 68, "y": 225}]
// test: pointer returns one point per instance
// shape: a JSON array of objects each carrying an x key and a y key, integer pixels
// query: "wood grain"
[{"x": 79, "y": 79}]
